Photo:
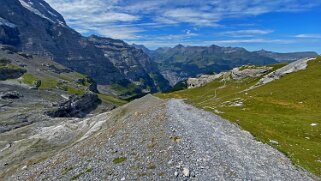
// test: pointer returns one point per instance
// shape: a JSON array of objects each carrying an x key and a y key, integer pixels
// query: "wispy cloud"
[
  {"x": 255, "y": 40},
  {"x": 246, "y": 33},
  {"x": 308, "y": 36},
  {"x": 132, "y": 20}
]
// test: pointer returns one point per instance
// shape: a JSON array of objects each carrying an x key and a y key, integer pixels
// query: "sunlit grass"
[{"x": 284, "y": 110}]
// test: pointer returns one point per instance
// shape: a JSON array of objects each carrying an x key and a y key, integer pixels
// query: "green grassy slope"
[
  {"x": 46, "y": 75},
  {"x": 286, "y": 110}
]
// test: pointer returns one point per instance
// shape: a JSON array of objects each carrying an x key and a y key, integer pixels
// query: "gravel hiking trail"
[{"x": 154, "y": 139}]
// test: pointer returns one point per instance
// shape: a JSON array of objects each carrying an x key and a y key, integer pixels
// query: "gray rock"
[
  {"x": 274, "y": 142},
  {"x": 290, "y": 68},
  {"x": 176, "y": 174},
  {"x": 186, "y": 172},
  {"x": 236, "y": 74},
  {"x": 203, "y": 80},
  {"x": 76, "y": 106},
  {"x": 11, "y": 95},
  {"x": 249, "y": 71}
]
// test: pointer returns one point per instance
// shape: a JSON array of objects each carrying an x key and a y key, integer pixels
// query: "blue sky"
[{"x": 277, "y": 25}]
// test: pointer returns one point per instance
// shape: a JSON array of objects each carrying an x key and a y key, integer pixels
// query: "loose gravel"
[{"x": 153, "y": 139}]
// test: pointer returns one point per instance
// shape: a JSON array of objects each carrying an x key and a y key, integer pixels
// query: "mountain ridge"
[{"x": 38, "y": 29}]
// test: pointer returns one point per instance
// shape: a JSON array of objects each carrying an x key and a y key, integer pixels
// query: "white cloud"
[
  {"x": 129, "y": 19},
  {"x": 252, "y": 40},
  {"x": 246, "y": 33},
  {"x": 192, "y": 16},
  {"x": 308, "y": 36}
]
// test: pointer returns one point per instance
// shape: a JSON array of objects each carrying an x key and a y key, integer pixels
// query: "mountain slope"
[
  {"x": 34, "y": 27},
  {"x": 133, "y": 63},
  {"x": 32, "y": 85},
  {"x": 284, "y": 113},
  {"x": 182, "y": 62},
  {"x": 157, "y": 139}
]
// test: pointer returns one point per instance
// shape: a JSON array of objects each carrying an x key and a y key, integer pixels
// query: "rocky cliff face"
[
  {"x": 34, "y": 27},
  {"x": 41, "y": 30},
  {"x": 132, "y": 63}
]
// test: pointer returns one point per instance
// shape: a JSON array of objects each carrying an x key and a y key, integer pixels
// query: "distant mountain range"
[
  {"x": 286, "y": 57},
  {"x": 32, "y": 26},
  {"x": 180, "y": 62}
]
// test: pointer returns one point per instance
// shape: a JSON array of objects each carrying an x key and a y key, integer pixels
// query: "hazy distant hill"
[{"x": 286, "y": 57}]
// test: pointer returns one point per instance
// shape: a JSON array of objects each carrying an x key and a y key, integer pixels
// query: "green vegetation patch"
[
  {"x": 119, "y": 160},
  {"x": 29, "y": 79},
  {"x": 120, "y": 89},
  {"x": 42, "y": 83},
  {"x": 111, "y": 99},
  {"x": 285, "y": 110},
  {"x": 75, "y": 91},
  {"x": 66, "y": 170}
]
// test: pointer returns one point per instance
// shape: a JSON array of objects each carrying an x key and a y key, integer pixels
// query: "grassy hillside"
[{"x": 284, "y": 113}]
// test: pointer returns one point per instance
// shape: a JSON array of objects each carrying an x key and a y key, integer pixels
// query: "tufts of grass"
[
  {"x": 76, "y": 177},
  {"x": 119, "y": 160},
  {"x": 75, "y": 91},
  {"x": 151, "y": 166},
  {"x": 66, "y": 170},
  {"x": 283, "y": 110},
  {"x": 29, "y": 79},
  {"x": 48, "y": 83}
]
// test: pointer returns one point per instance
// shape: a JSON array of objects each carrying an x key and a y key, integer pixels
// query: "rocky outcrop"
[
  {"x": 235, "y": 74},
  {"x": 202, "y": 80},
  {"x": 76, "y": 106},
  {"x": 249, "y": 71},
  {"x": 10, "y": 72},
  {"x": 290, "y": 68},
  {"x": 10, "y": 95}
]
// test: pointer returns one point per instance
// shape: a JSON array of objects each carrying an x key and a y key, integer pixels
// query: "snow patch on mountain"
[
  {"x": 7, "y": 23},
  {"x": 31, "y": 6},
  {"x": 28, "y": 5}
]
